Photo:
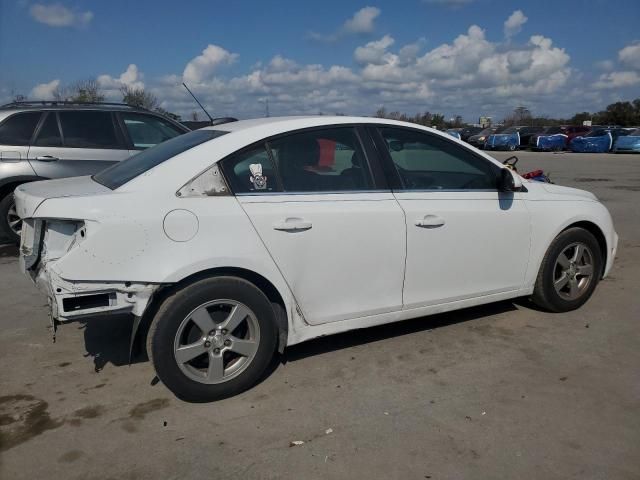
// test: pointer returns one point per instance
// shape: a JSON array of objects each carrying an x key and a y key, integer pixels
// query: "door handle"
[
  {"x": 430, "y": 221},
  {"x": 292, "y": 225},
  {"x": 47, "y": 158}
]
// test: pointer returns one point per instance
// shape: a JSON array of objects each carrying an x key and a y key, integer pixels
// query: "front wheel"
[
  {"x": 212, "y": 339},
  {"x": 10, "y": 222},
  {"x": 569, "y": 272}
]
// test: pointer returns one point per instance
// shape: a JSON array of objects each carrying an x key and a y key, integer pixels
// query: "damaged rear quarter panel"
[{"x": 125, "y": 242}]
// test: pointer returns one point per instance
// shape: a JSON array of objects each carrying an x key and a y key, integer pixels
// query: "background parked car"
[
  {"x": 526, "y": 133},
  {"x": 466, "y": 132},
  {"x": 508, "y": 139},
  {"x": 557, "y": 137},
  {"x": 43, "y": 140},
  {"x": 477, "y": 140},
  {"x": 455, "y": 133},
  {"x": 628, "y": 143},
  {"x": 598, "y": 140}
]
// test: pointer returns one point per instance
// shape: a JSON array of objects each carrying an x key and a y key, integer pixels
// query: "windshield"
[
  {"x": 510, "y": 130},
  {"x": 552, "y": 130},
  {"x": 122, "y": 172}
]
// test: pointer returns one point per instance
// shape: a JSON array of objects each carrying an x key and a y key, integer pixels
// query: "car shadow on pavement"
[
  {"x": 405, "y": 327},
  {"x": 107, "y": 338}
]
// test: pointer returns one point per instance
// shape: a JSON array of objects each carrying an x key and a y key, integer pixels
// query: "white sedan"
[{"x": 229, "y": 243}]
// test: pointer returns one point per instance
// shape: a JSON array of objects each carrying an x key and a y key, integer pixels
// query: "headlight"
[{"x": 481, "y": 139}]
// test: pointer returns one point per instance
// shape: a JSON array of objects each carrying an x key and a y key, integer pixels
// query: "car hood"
[
  {"x": 29, "y": 196},
  {"x": 560, "y": 192}
]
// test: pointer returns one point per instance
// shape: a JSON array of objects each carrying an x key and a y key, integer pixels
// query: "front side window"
[
  {"x": 88, "y": 129},
  {"x": 428, "y": 162},
  {"x": 49, "y": 134},
  {"x": 18, "y": 129},
  {"x": 122, "y": 172},
  {"x": 148, "y": 130},
  {"x": 328, "y": 160}
]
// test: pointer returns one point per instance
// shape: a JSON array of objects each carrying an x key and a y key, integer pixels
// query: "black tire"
[
  {"x": 6, "y": 232},
  {"x": 178, "y": 306},
  {"x": 544, "y": 293}
]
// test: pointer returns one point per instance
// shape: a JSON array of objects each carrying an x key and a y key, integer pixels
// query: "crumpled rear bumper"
[{"x": 72, "y": 300}]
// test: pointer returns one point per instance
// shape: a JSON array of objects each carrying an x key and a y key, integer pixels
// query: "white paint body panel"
[
  {"x": 482, "y": 247},
  {"x": 347, "y": 271}
]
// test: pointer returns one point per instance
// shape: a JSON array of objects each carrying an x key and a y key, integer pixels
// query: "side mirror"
[
  {"x": 509, "y": 181},
  {"x": 396, "y": 145}
]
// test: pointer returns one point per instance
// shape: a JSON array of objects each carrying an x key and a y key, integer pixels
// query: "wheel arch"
[
  {"x": 597, "y": 232},
  {"x": 8, "y": 185},
  {"x": 259, "y": 281}
]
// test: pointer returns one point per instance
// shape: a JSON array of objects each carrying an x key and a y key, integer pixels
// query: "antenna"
[{"x": 194, "y": 97}]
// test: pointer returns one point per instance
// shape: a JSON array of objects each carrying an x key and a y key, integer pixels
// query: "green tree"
[
  {"x": 87, "y": 90},
  {"x": 139, "y": 97}
]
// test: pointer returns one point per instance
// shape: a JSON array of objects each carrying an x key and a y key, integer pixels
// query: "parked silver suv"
[{"x": 42, "y": 140}]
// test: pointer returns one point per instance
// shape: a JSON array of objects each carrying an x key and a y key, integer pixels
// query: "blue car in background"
[
  {"x": 454, "y": 134},
  {"x": 599, "y": 140},
  {"x": 628, "y": 143},
  {"x": 508, "y": 139}
]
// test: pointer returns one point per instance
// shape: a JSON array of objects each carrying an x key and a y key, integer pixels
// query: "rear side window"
[
  {"x": 89, "y": 130},
  {"x": 18, "y": 128},
  {"x": 49, "y": 134},
  {"x": 147, "y": 130},
  {"x": 122, "y": 172},
  {"x": 327, "y": 160},
  {"x": 251, "y": 171}
]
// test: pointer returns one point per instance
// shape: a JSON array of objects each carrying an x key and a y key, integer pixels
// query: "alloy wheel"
[
  {"x": 217, "y": 341},
  {"x": 573, "y": 271},
  {"x": 13, "y": 219}
]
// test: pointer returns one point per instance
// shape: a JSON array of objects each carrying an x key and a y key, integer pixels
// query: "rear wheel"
[
  {"x": 212, "y": 339},
  {"x": 10, "y": 222},
  {"x": 569, "y": 272}
]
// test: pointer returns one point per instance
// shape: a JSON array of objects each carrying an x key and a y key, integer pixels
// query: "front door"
[
  {"x": 338, "y": 242},
  {"x": 464, "y": 238}
]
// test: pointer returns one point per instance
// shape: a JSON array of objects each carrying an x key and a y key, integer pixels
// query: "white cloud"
[
  {"x": 606, "y": 65},
  {"x": 57, "y": 15},
  {"x": 617, "y": 80},
  {"x": 513, "y": 24},
  {"x": 362, "y": 22},
  {"x": 131, "y": 77},
  {"x": 630, "y": 55},
  {"x": 204, "y": 65},
  {"x": 44, "y": 91},
  {"x": 373, "y": 52}
]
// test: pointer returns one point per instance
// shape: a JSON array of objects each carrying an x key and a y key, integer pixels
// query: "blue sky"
[{"x": 466, "y": 57}]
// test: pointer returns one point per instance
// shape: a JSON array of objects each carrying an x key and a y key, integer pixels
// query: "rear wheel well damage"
[{"x": 141, "y": 326}]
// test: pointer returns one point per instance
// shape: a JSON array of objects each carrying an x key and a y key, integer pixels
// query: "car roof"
[{"x": 64, "y": 105}]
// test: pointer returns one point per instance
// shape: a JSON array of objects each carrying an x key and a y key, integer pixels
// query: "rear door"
[
  {"x": 73, "y": 143},
  {"x": 337, "y": 236}
]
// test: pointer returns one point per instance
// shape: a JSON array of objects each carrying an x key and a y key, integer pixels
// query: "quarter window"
[
  {"x": 147, "y": 130},
  {"x": 18, "y": 129},
  {"x": 88, "y": 130},
  {"x": 321, "y": 161},
  {"x": 427, "y": 162},
  {"x": 49, "y": 134}
]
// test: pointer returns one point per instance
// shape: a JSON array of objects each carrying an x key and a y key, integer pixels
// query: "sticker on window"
[{"x": 258, "y": 180}]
